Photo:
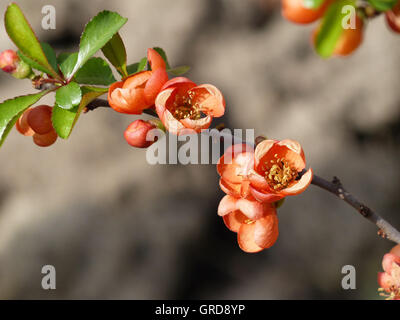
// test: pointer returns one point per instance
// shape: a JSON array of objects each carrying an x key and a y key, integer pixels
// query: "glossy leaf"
[
  {"x": 65, "y": 120},
  {"x": 132, "y": 68},
  {"x": 21, "y": 33},
  {"x": 50, "y": 54},
  {"x": 96, "y": 71},
  {"x": 331, "y": 28},
  {"x": 95, "y": 36},
  {"x": 67, "y": 62},
  {"x": 178, "y": 71},
  {"x": 11, "y": 110},
  {"x": 312, "y": 4},
  {"x": 69, "y": 96},
  {"x": 383, "y": 5},
  {"x": 137, "y": 67},
  {"x": 115, "y": 52},
  {"x": 142, "y": 65}
]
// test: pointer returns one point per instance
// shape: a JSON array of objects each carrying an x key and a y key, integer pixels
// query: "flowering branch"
[
  {"x": 386, "y": 230},
  {"x": 274, "y": 169}
]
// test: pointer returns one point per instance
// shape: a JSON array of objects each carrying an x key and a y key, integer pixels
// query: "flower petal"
[
  {"x": 210, "y": 99},
  {"x": 258, "y": 181},
  {"x": 246, "y": 238},
  {"x": 252, "y": 209},
  {"x": 129, "y": 101},
  {"x": 262, "y": 149},
  {"x": 227, "y": 205},
  {"x": 295, "y": 147},
  {"x": 388, "y": 260},
  {"x": 385, "y": 281},
  {"x": 235, "y": 150},
  {"x": 114, "y": 103},
  {"x": 292, "y": 145},
  {"x": 396, "y": 250},
  {"x": 182, "y": 83},
  {"x": 265, "y": 196},
  {"x": 300, "y": 185},
  {"x": 155, "y": 60},
  {"x": 234, "y": 220},
  {"x": 235, "y": 162},
  {"x": 137, "y": 80},
  {"x": 168, "y": 120},
  {"x": 154, "y": 84},
  {"x": 197, "y": 125},
  {"x": 233, "y": 189},
  {"x": 171, "y": 124},
  {"x": 266, "y": 231},
  {"x": 245, "y": 160},
  {"x": 230, "y": 172},
  {"x": 289, "y": 150}
]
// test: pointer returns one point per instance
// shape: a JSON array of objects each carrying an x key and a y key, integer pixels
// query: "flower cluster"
[
  {"x": 36, "y": 122},
  {"x": 255, "y": 181},
  {"x": 340, "y": 31},
  {"x": 349, "y": 40},
  {"x": 180, "y": 103},
  {"x": 389, "y": 280}
]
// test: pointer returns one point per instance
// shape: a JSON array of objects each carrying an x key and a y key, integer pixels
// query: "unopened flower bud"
[
  {"x": 136, "y": 133},
  {"x": 11, "y": 63}
]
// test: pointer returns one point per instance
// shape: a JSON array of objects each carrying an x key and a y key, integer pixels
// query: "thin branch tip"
[{"x": 386, "y": 230}]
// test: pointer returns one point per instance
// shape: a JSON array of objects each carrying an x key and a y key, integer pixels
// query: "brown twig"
[
  {"x": 386, "y": 230},
  {"x": 102, "y": 103},
  {"x": 40, "y": 83}
]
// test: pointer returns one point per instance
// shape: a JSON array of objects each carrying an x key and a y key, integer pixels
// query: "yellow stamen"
[
  {"x": 279, "y": 173},
  {"x": 394, "y": 292},
  {"x": 184, "y": 108}
]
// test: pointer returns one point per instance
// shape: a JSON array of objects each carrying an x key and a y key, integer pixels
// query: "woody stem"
[
  {"x": 102, "y": 103},
  {"x": 386, "y": 230}
]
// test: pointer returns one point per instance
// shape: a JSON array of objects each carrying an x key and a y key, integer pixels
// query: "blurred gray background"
[{"x": 116, "y": 227}]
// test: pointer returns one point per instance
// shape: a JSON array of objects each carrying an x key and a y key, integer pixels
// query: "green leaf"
[
  {"x": 178, "y": 71},
  {"x": 69, "y": 96},
  {"x": 132, "y": 68},
  {"x": 331, "y": 28},
  {"x": 163, "y": 55},
  {"x": 65, "y": 120},
  {"x": 50, "y": 54},
  {"x": 96, "y": 34},
  {"x": 312, "y": 4},
  {"x": 11, "y": 110},
  {"x": 142, "y": 65},
  {"x": 115, "y": 52},
  {"x": 21, "y": 33},
  {"x": 95, "y": 71},
  {"x": 383, "y": 5},
  {"x": 32, "y": 63},
  {"x": 137, "y": 67},
  {"x": 67, "y": 62}
]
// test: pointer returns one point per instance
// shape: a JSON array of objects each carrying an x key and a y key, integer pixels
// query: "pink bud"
[
  {"x": 9, "y": 61},
  {"x": 136, "y": 133}
]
